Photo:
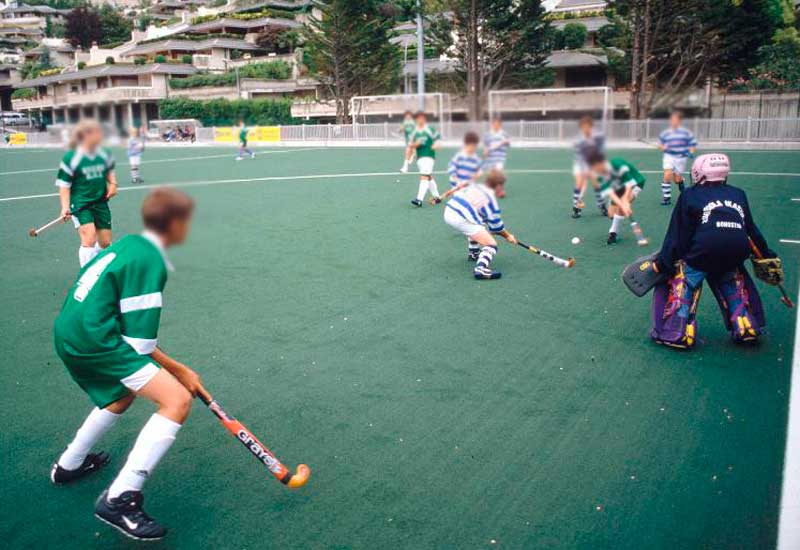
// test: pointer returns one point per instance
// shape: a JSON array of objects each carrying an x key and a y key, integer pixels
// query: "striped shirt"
[
  {"x": 463, "y": 167},
  {"x": 496, "y": 146},
  {"x": 478, "y": 204},
  {"x": 677, "y": 142},
  {"x": 135, "y": 147},
  {"x": 585, "y": 145}
]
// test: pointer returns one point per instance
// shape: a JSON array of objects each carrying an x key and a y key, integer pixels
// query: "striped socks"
[
  {"x": 666, "y": 190},
  {"x": 576, "y": 197},
  {"x": 600, "y": 199},
  {"x": 486, "y": 256},
  {"x": 473, "y": 248}
]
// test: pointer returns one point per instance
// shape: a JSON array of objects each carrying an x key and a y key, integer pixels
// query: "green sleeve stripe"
[{"x": 141, "y": 324}]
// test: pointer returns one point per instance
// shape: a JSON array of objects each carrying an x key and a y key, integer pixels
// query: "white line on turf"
[
  {"x": 790, "y": 241},
  {"x": 789, "y": 522},
  {"x": 796, "y": 200},
  {"x": 306, "y": 177},
  {"x": 177, "y": 159}
]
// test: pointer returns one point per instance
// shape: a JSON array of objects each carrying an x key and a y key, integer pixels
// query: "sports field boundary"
[{"x": 202, "y": 183}]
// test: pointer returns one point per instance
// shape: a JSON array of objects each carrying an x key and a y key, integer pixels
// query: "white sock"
[
  {"x": 93, "y": 428},
  {"x": 615, "y": 223},
  {"x": 86, "y": 253},
  {"x": 153, "y": 442},
  {"x": 423, "y": 188},
  {"x": 433, "y": 188}
]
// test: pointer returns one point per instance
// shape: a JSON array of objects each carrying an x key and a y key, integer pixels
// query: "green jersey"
[
  {"x": 621, "y": 174},
  {"x": 426, "y": 137},
  {"x": 111, "y": 314},
  {"x": 85, "y": 174},
  {"x": 243, "y": 134},
  {"x": 408, "y": 128}
]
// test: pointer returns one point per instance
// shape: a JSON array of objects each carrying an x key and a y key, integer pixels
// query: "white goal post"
[
  {"x": 596, "y": 101},
  {"x": 379, "y": 108}
]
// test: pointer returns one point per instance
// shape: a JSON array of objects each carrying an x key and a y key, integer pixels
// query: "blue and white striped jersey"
[
  {"x": 677, "y": 142},
  {"x": 463, "y": 167},
  {"x": 585, "y": 145},
  {"x": 135, "y": 147},
  {"x": 496, "y": 146},
  {"x": 478, "y": 204}
]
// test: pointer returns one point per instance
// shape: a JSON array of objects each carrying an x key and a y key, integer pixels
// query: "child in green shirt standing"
[{"x": 424, "y": 142}]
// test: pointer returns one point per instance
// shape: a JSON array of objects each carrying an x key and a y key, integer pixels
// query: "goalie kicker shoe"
[
  {"x": 417, "y": 203},
  {"x": 125, "y": 513},
  {"x": 576, "y": 212},
  {"x": 92, "y": 463},
  {"x": 612, "y": 238}
]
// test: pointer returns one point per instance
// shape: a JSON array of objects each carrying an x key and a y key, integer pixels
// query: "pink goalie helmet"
[{"x": 711, "y": 167}]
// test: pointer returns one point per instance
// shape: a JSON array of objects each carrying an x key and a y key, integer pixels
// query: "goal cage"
[
  {"x": 375, "y": 109},
  {"x": 554, "y": 103}
]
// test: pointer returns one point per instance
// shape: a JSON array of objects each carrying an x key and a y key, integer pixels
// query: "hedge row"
[
  {"x": 270, "y": 70},
  {"x": 23, "y": 93},
  {"x": 221, "y": 112}
]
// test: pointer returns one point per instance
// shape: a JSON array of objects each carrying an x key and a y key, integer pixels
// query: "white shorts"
[
  {"x": 425, "y": 166},
  {"x": 457, "y": 222},
  {"x": 675, "y": 163},
  {"x": 497, "y": 165},
  {"x": 134, "y": 161},
  {"x": 579, "y": 168}
]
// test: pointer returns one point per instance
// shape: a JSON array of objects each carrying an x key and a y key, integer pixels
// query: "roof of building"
[
  {"x": 192, "y": 45},
  {"x": 21, "y": 30},
  {"x": 236, "y": 7},
  {"x": 592, "y": 24},
  {"x": 242, "y": 24},
  {"x": 570, "y": 58},
  {"x": 118, "y": 69},
  {"x": 580, "y": 5},
  {"x": 38, "y": 9},
  {"x": 64, "y": 48}
]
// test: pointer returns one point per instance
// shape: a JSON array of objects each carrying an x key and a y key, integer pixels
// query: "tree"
[
  {"x": 83, "y": 27},
  {"x": 494, "y": 42},
  {"x": 349, "y": 48},
  {"x": 116, "y": 27},
  {"x": 678, "y": 45},
  {"x": 574, "y": 36}
]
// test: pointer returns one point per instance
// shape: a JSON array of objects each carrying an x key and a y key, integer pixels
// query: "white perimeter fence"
[{"x": 756, "y": 132}]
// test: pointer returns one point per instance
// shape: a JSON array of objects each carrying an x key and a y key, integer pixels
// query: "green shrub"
[
  {"x": 269, "y": 70},
  {"x": 574, "y": 36},
  {"x": 23, "y": 93},
  {"x": 186, "y": 58},
  {"x": 110, "y": 60},
  {"x": 160, "y": 59},
  {"x": 221, "y": 112},
  {"x": 81, "y": 65},
  {"x": 139, "y": 60}
]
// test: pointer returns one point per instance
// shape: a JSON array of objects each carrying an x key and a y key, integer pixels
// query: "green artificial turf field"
[{"x": 343, "y": 327}]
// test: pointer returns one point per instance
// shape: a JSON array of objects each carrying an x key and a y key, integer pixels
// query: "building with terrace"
[
  {"x": 120, "y": 94},
  {"x": 212, "y": 53}
]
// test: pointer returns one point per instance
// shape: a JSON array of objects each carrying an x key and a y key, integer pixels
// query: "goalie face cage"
[
  {"x": 565, "y": 103},
  {"x": 381, "y": 108}
]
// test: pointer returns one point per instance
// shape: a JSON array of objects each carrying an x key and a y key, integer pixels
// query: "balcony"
[{"x": 104, "y": 95}]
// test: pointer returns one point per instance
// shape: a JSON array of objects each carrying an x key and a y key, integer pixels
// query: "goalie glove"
[{"x": 769, "y": 270}]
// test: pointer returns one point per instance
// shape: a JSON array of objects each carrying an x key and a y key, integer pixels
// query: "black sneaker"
[
  {"x": 417, "y": 203},
  {"x": 576, "y": 212},
  {"x": 485, "y": 273},
  {"x": 666, "y": 202},
  {"x": 612, "y": 238},
  {"x": 126, "y": 514},
  {"x": 92, "y": 463}
]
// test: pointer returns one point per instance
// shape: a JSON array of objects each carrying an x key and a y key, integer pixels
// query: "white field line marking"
[
  {"x": 178, "y": 159},
  {"x": 789, "y": 522},
  {"x": 796, "y": 200},
  {"x": 790, "y": 241},
  {"x": 292, "y": 178}
]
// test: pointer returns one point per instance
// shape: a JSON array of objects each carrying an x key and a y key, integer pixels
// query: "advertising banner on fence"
[
  {"x": 18, "y": 139},
  {"x": 254, "y": 134}
]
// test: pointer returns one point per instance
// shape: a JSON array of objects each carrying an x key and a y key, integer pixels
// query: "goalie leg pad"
[
  {"x": 674, "y": 310},
  {"x": 740, "y": 305}
]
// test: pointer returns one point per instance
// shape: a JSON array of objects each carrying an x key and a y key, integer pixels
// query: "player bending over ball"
[
  {"x": 475, "y": 213},
  {"x": 407, "y": 127},
  {"x": 243, "y": 142},
  {"x": 106, "y": 335},
  {"x": 135, "y": 150},
  {"x": 587, "y": 142},
  {"x": 85, "y": 182},
  {"x": 710, "y": 235},
  {"x": 621, "y": 182},
  {"x": 678, "y": 144},
  {"x": 424, "y": 142}
]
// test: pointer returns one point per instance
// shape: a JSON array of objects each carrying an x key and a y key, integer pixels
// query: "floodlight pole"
[{"x": 420, "y": 59}]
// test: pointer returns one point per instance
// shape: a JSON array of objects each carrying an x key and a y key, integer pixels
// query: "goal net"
[
  {"x": 390, "y": 108},
  {"x": 553, "y": 103}
]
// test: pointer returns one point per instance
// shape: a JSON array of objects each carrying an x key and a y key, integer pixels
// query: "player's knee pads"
[
  {"x": 740, "y": 305},
  {"x": 674, "y": 321}
]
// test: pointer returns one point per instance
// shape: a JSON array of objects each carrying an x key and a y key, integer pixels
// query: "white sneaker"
[
  {"x": 404, "y": 169},
  {"x": 239, "y": 158}
]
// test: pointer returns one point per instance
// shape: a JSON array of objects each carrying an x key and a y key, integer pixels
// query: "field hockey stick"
[
  {"x": 561, "y": 262},
  {"x": 784, "y": 295},
  {"x": 33, "y": 232},
  {"x": 258, "y": 449}
]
